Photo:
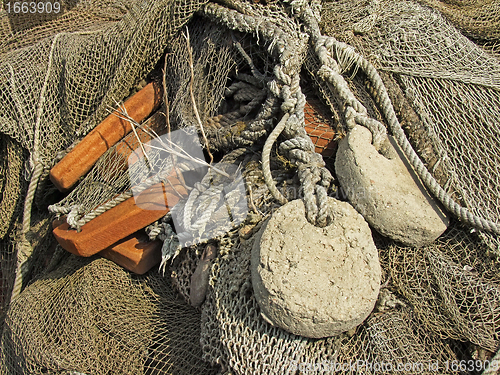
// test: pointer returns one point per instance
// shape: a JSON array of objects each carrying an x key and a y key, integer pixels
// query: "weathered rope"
[
  {"x": 314, "y": 177},
  {"x": 24, "y": 248},
  {"x": 462, "y": 213},
  {"x": 266, "y": 165},
  {"x": 211, "y": 196},
  {"x": 170, "y": 248}
]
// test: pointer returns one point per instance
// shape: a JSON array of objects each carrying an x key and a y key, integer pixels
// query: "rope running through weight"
[{"x": 329, "y": 71}]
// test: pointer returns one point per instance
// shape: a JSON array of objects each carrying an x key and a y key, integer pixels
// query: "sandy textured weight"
[
  {"x": 315, "y": 282},
  {"x": 386, "y": 193}
]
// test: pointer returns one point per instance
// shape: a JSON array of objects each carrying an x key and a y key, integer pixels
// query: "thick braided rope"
[
  {"x": 196, "y": 212},
  {"x": 263, "y": 121},
  {"x": 224, "y": 127},
  {"x": 382, "y": 98},
  {"x": 201, "y": 194},
  {"x": 189, "y": 207},
  {"x": 247, "y": 24},
  {"x": 154, "y": 230},
  {"x": 331, "y": 71},
  {"x": 384, "y": 102}
]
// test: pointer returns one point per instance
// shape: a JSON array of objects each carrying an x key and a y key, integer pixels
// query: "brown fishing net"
[
  {"x": 60, "y": 75},
  {"x": 12, "y": 182},
  {"x": 452, "y": 287},
  {"x": 93, "y": 317},
  {"x": 113, "y": 175},
  {"x": 480, "y": 20}
]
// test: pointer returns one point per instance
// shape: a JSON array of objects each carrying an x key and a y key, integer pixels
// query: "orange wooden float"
[
  {"x": 135, "y": 253},
  {"x": 122, "y": 220},
  {"x": 80, "y": 160}
]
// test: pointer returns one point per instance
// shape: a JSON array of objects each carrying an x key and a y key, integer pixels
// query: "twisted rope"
[
  {"x": 462, "y": 213},
  {"x": 266, "y": 165},
  {"x": 24, "y": 248},
  {"x": 170, "y": 248},
  {"x": 314, "y": 177}
]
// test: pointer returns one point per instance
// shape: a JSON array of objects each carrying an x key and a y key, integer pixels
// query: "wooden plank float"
[
  {"x": 65, "y": 174},
  {"x": 135, "y": 253},
  {"x": 122, "y": 220}
]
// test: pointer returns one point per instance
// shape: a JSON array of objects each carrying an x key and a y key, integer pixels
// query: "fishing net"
[
  {"x": 59, "y": 76},
  {"x": 444, "y": 89},
  {"x": 451, "y": 286},
  {"x": 479, "y": 20},
  {"x": 49, "y": 93},
  {"x": 93, "y": 317},
  {"x": 115, "y": 174},
  {"x": 12, "y": 183},
  {"x": 262, "y": 73}
]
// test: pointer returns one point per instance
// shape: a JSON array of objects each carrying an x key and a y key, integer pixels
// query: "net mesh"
[
  {"x": 451, "y": 286},
  {"x": 477, "y": 19},
  {"x": 12, "y": 184},
  {"x": 61, "y": 74},
  {"x": 450, "y": 85},
  {"x": 32, "y": 92},
  {"x": 93, "y": 317}
]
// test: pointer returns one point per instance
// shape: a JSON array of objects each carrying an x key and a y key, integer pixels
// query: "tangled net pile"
[{"x": 427, "y": 72}]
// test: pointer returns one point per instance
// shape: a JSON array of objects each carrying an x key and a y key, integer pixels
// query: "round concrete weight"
[
  {"x": 386, "y": 191},
  {"x": 315, "y": 282}
]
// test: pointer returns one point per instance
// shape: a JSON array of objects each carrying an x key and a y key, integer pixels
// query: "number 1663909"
[{"x": 33, "y": 7}]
